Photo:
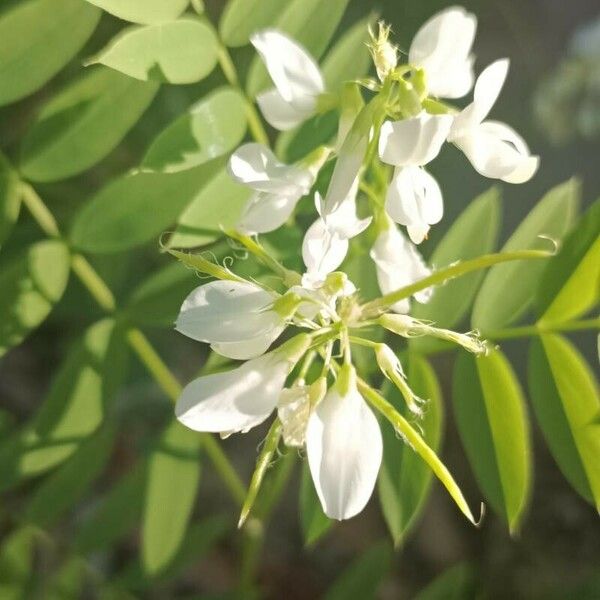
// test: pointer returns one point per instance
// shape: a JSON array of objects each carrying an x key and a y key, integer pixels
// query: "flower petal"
[
  {"x": 248, "y": 348},
  {"x": 227, "y": 311},
  {"x": 414, "y": 141},
  {"x": 233, "y": 401},
  {"x": 266, "y": 212},
  {"x": 323, "y": 251},
  {"x": 344, "y": 448},
  {"x": 279, "y": 113},
  {"x": 294, "y": 72},
  {"x": 442, "y": 47}
]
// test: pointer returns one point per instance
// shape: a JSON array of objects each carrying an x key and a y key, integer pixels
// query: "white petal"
[
  {"x": 417, "y": 233},
  {"x": 442, "y": 47},
  {"x": 233, "y": 401},
  {"x": 414, "y": 141},
  {"x": 488, "y": 87},
  {"x": 293, "y": 411},
  {"x": 250, "y": 348},
  {"x": 293, "y": 71},
  {"x": 266, "y": 212},
  {"x": 344, "y": 448},
  {"x": 414, "y": 198},
  {"x": 257, "y": 167},
  {"x": 343, "y": 221},
  {"x": 322, "y": 250},
  {"x": 279, "y": 113},
  {"x": 398, "y": 264},
  {"x": 227, "y": 311}
]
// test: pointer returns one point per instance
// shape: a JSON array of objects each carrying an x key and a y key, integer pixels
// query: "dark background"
[{"x": 557, "y": 553}]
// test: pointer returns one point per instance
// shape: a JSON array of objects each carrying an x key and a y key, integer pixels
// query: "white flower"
[
  {"x": 414, "y": 198},
  {"x": 240, "y": 399},
  {"x": 277, "y": 187},
  {"x": 494, "y": 149},
  {"x": 398, "y": 264},
  {"x": 297, "y": 78},
  {"x": 442, "y": 48},
  {"x": 344, "y": 448},
  {"x": 236, "y": 318},
  {"x": 326, "y": 242},
  {"x": 293, "y": 410}
]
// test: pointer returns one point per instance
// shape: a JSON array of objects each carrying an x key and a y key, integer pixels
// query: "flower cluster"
[{"x": 310, "y": 379}]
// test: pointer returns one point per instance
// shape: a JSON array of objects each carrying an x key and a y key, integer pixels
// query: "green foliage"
[
  {"x": 490, "y": 414},
  {"x": 455, "y": 583},
  {"x": 32, "y": 33},
  {"x": 10, "y": 199},
  {"x": 364, "y": 576},
  {"x": 241, "y": 18},
  {"x": 82, "y": 123},
  {"x": 145, "y": 12},
  {"x": 566, "y": 401},
  {"x": 570, "y": 285},
  {"x": 404, "y": 479},
  {"x": 75, "y": 407},
  {"x": 171, "y": 487},
  {"x": 516, "y": 282},
  {"x": 153, "y": 52},
  {"x": 31, "y": 285},
  {"x": 314, "y": 522}
]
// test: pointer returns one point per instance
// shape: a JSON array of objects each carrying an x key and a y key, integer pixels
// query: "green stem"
[
  {"x": 254, "y": 121},
  {"x": 541, "y": 328},
  {"x": 136, "y": 339},
  {"x": 375, "y": 307}
]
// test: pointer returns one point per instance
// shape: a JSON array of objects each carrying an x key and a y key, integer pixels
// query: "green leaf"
[
  {"x": 475, "y": 232},
  {"x": 71, "y": 481},
  {"x": 364, "y": 576},
  {"x": 570, "y": 285},
  {"x": 116, "y": 514},
  {"x": 490, "y": 413},
  {"x": 74, "y": 409},
  {"x": 145, "y": 12},
  {"x": 154, "y": 201},
  {"x": 31, "y": 285},
  {"x": 311, "y": 23},
  {"x": 314, "y": 522},
  {"x": 171, "y": 488},
  {"x": 69, "y": 581},
  {"x": 37, "y": 39},
  {"x": 565, "y": 398},
  {"x": 10, "y": 199},
  {"x": 241, "y": 18},
  {"x": 178, "y": 52},
  {"x": 218, "y": 206},
  {"x": 157, "y": 300},
  {"x": 82, "y": 123},
  {"x": 455, "y": 583},
  {"x": 404, "y": 479},
  {"x": 17, "y": 556},
  {"x": 211, "y": 127},
  {"x": 508, "y": 289}
]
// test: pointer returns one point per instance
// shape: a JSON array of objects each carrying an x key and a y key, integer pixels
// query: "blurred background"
[{"x": 552, "y": 97}]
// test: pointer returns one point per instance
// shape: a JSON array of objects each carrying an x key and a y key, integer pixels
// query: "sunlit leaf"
[
  {"x": 490, "y": 414},
  {"x": 10, "y": 199},
  {"x": 474, "y": 233},
  {"x": 37, "y": 38},
  {"x": 81, "y": 124},
  {"x": 241, "y": 18},
  {"x": 154, "y": 201},
  {"x": 171, "y": 487},
  {"x": 116, "y": 514},
  {"x": 178, "y": 52},
  {"x": 217, "y": 207},
  {"x": 156, "y": 302},
  {"x": 570, "y": 285},
  {"x": 31, "y": 285},
  {"x": 311, "y": 23},
  {"x": 404, "y": 479},
  {"x": 364, "y": 575},
  {"x": 75, "y": 407},
  {"x": 145, "y": 12},
  {"x": 63, "y": 488},
  {"x": 565, "y": 397},
  {"x": 508, "y": 289},
  {"x": 315, "y": 523},
  {"x": 211, "y": 127},
  {"x": 455, "y": 583}
]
